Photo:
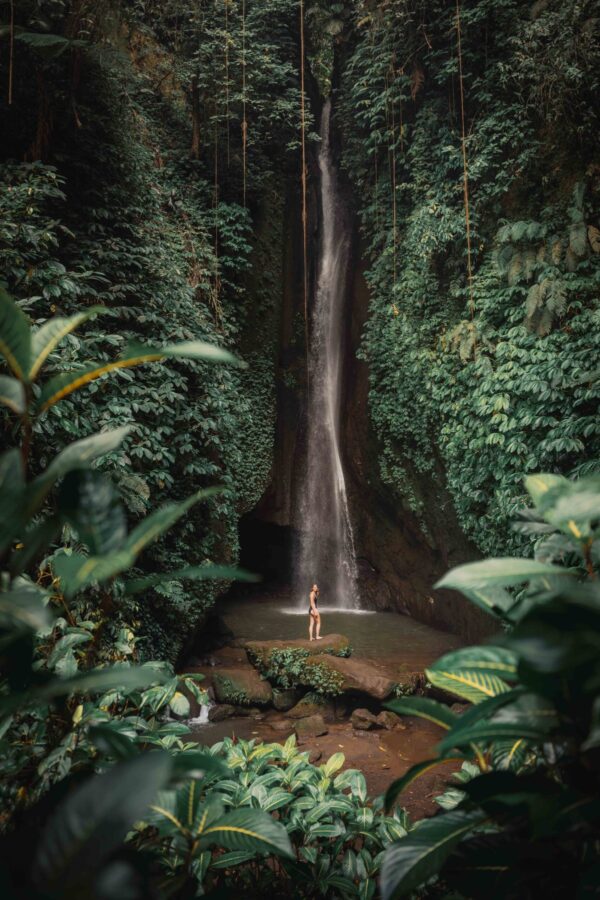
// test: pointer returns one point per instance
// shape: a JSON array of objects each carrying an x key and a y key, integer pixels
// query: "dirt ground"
[{"x": 381, "y": 755}]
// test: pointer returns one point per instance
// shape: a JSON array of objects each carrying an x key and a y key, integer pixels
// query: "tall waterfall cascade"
[{"x": 326, "y": 552}]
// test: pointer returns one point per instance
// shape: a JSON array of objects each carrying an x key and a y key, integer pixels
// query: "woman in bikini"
[{"x": 314, "y": 617}]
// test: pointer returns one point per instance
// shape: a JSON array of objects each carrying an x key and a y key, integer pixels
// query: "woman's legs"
[
  {"x": 318, "y": 621},
  {"x": 311, "y": 622}
]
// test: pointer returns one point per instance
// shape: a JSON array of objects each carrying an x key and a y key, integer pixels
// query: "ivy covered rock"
[
  {"x": 284, "y": 700},
  {"x": 352, "y": 675},
  {"x": 310, "y": 705},
  {"x": 241, "y": 687}
]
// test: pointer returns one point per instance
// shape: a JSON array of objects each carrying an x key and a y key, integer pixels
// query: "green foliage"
[
  {"x": 337, "y": 836},
  {"x": 287, "y": 667},
  {"x": 532, "y": 728},
  {"x": 118, "y": 215},
  {"x": 474, "y": 400}
]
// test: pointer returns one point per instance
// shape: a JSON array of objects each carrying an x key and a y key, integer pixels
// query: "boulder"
[
  {"x": 283, "y": 700},
  {"x": 252, "y": 711},
  {"x": 315, "y": 755},
  {"x": 389, "y": 720},
  {"x": 312, "y": 726},
  {"x": 221, "y": 711},
  {"x": 259, "y": 652},
  {"x": 281, "y": 725},
  {"x": 363, "y": 720},
  {"x": 308, "y": 706},
  {"x": 241, "y": 686},
  {"x": 356, "y": 675}
]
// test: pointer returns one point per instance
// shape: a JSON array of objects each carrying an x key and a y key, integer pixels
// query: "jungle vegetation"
[{"x": 151, "y": 153}]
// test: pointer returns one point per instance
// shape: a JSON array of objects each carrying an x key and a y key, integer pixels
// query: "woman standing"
[{"x": 314, "y": 617}]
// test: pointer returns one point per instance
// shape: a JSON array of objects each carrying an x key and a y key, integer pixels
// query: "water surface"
[{"x": 375, "y": 635}]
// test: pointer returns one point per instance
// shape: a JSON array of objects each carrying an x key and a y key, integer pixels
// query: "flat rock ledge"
[{"x": 259, "y": 652}]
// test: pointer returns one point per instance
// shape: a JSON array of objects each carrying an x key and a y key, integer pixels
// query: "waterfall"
[{"x": 326, "y": 544}]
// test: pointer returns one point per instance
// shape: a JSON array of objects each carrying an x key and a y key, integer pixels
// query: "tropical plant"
[
  {"x": 65, "y": 712},
  {"x": 526, "y": 822},
  {"x": 337, "y": 834}
]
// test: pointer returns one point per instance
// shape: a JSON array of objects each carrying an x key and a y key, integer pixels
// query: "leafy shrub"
[
  {"x": 525, "y": 821},
  {"x": 471, "y": 399},
  {"x": 336, "y": 834},
  {"x": 287, "y": 668}
]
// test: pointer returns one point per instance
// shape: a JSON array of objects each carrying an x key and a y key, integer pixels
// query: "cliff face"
[{"x": 399, "y": 556}]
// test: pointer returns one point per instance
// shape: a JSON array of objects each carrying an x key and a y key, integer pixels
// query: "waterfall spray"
[{"x": 326, "y": 548}]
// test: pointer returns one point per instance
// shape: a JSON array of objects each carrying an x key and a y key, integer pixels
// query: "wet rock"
[
  {"x": 281, "y": 725},
  {"x": 312, "y": 726},
  {"x": 252, "y": 711},
  {"x": 363, "y": 720},
  {"x": 306, "y": 707},
  {"x": 259, "y": 652},
  {"x": 221, "y": 711},
  {"x": 314, "y": 756},
  {"x": 311, "y": 705},
  {"x": 342, "y": 709},
  {"x": 241, "y": 686},
  {"x": 356, "y": 675},
  {"x": 389, "y": 720},
  {"x": 229, "y": 656},
  {"x": 283, "y": 700}
]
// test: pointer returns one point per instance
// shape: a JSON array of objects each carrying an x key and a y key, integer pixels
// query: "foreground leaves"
[{"x": 413, "y": 859}]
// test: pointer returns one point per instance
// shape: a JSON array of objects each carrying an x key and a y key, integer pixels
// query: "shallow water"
[{"x": 378, "y": 635}]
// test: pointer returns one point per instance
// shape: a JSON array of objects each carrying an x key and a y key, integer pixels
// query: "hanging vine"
[
  {"x": 465, "y": 168},
  {"x": 226, "y": 5},
  {"x": 303, "y": 181},
  {"x": 244, "y": 121}
]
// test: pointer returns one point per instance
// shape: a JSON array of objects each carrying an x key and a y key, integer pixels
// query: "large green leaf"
[
  {"x": 89, "y": 502},
  {"x": 414, "y": 859},
  {"x": 76, "y": 456},
  {"x": 198, "y": 350},
  {"x": 197, "y": 763},
  {"x": 24, "y": 608},
  {"x": 487, "y": 659},
  {"x": 424, "y": 708},
  {"x": 12, "y": 394},
  {"x": 49, "y": 46},
  {"x": 12, "y": 497},
  {"x": 469, "y": 684},
  {"x": 248, "y": 829},
  {"x": 398, "y": 786},
  {"x": 136, "y": 354},
  {"x": 50, "y": 334},
  {"x": 94, "y": 820},
  {"x": 542, "y": 485},
  {"x": 179, "y": 704},
  {"x": 78, "y": 571},
  {"x": 487, "y": 732},
  {"x": 493, "y": 599},
  {"x": 503, "y": 571},
  {"x": 113, "y": 678},
  {"x": 192, "y": 573},
  {"x": 15, "y": 338}
]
